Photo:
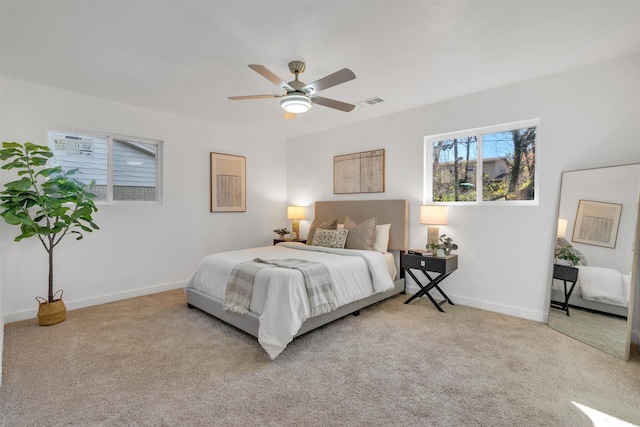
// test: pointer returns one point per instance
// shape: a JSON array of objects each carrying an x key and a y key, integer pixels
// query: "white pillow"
[{"x": 381, "y": 238}]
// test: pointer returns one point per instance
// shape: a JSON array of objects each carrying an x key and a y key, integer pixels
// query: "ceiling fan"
[{"x": 299, "y": 97}]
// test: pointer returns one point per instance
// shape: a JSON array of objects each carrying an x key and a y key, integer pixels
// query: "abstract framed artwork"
[
  {"x": 597, "y": 223},
  {"x": 359, "y": 172},
  {"x": 228, "y": 183}
]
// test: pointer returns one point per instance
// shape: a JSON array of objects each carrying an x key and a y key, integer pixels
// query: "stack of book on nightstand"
[{"x": 420, "y": 252}]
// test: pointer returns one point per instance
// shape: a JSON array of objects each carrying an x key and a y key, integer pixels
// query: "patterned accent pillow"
[
  {"x": 360, "y": 235},
  {"x": 317, "y": 224},
  {"x": 330, "y": 238}
]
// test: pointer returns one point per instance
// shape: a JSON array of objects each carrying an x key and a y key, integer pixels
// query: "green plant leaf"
[
  {"x": 12, "y": 219},
  {"x": 30, "y": 147},
  {"x": 59, "y": 211},
  {"x": 50, "y": 171},
  {"x": 24, "y": 184},
  {"x": 11, "y": 145}
]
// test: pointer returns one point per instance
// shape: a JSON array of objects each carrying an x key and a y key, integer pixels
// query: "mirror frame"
[{"x": 635, "y": 252}]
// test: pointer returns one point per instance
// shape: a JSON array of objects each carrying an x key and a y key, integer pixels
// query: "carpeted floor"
[{"x": 150, "y": 361}]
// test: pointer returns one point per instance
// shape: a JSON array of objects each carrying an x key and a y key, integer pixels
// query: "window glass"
[
  {"x": 123, "y": 169},
  {"x": 454, "y": 172},
  {"x": 134, "y": 170},
  {"x": 508, "y": 165},
  {"x": 484, "y": 165},
  {"x": 88, "y": 154}
]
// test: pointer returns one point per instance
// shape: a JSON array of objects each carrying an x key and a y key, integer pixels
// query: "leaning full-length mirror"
[{"x": 594, "y": 272}]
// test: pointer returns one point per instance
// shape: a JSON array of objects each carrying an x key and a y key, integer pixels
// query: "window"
[
  {"x": 486, "y": 165},
  {"x": 123, "y": 168}
]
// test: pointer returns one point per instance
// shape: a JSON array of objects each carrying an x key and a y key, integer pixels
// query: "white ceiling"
[{"x": 186, "y": 57}]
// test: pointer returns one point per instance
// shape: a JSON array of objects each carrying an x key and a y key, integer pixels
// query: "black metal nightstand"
[
  {"x": 566, "y": 274},
  {"x": 420, "y": 260}
]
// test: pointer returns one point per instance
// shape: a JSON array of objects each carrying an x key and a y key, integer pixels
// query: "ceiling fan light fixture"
[{"x": 296, "y": 104}]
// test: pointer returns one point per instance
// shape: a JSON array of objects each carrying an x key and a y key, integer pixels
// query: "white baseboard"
[
  {"x": 487, "y": 305},
  {"x": 103, "y": 299},
  {"x": 504, "y": 309},
  {"x": 411, "y": 289}
]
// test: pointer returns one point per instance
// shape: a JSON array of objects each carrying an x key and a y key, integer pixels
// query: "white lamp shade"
[
  {"x": 562, "y": 227},
  {"x": 295, "y": 212},
  {"x": 296, "y": 104},
  {"x": 433, "y": 214}
]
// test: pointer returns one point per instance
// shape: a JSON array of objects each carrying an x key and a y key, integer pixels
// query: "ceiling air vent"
[{"x": 371, "y": 101}]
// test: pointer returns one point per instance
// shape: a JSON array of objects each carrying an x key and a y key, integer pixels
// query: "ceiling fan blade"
[
  {"x": 288, "y": 115},
  {"x": 332, "y": 103},
  {"x": 331, "y": 80},
  {"x": 264, "y": 72},
  {"x": 238, "y": 98}
]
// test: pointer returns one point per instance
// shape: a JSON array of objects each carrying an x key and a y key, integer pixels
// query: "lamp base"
[
  {"x": 295, "y": 229},
  {"x": 433, "y": 234}
]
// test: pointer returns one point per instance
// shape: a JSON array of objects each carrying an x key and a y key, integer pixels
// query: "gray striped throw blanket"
[{"x": 317, "y": 282}]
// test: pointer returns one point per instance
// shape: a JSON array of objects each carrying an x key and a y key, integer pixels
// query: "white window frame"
[
  {"x": 427, "y": 197},
  {"x": 110, "y": 137}
]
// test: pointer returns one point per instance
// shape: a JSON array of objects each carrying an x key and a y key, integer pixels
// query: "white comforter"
[
  {"x": 279, "y": 296},
  {"x": 604, "y": 285}
]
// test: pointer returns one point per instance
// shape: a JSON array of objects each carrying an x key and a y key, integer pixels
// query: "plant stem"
[{"x": 50, "y": 275}]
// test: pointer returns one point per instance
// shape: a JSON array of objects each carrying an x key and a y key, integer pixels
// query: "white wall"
[
  {"x": 140, "y": 248},
  {"x": 588, "y": 117}
]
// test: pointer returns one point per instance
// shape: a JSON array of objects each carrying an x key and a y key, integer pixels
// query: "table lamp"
[
  {"x": 295, "y": 214},
  {"x": 562, "y": 232},
  {"x": 562, "y": 227},
  {"x": 433, "y": 215}
]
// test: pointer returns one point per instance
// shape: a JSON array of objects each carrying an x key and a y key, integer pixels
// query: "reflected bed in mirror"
[{"x": 595, "y": 269}]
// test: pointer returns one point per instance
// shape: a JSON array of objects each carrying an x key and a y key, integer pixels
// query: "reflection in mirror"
[{"x": 594, "y": 272}]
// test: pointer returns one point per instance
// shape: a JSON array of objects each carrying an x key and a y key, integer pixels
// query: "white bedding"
[
  {"x": 603, "y": 285},
  {"x": 279, "y": 296}
]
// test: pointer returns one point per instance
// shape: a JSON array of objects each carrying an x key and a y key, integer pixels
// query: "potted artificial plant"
[
  {"x": 566, "y": 255},
  {"x": 445, "y": 245},
  {"x": 46, "y": 203},
  {"x": 282, "y": 232}
]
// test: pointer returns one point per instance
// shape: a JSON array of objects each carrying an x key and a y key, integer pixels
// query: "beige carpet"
[{"x": 150, "y": 361}]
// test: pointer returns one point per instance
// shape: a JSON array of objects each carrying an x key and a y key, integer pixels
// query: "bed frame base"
[
  {"x": 249, "y": 322},
  {"x": 576, "y": 301}
]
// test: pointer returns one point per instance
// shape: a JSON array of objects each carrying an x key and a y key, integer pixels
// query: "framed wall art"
[
  {"x": 359, "y": 172},
  {"x": 597, "y": 223},
  {"x": 228, "y": 183}
]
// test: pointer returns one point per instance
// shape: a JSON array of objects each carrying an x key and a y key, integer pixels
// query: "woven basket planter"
[{"x": 50, "y": 313}]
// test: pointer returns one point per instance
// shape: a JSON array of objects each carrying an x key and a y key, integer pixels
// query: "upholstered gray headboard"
[{"x": 394, "y": 212}]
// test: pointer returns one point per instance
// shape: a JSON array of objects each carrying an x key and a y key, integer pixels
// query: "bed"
[
  {"x": 598, "y": 289},
  {"x": 279, "y": 309}
]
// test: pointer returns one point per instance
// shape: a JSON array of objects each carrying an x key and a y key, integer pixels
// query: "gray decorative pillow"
[
  {"x": 330, "y": 238},
  {"x": 317, "y": 224},
  {"x": 360, "y": 235}
]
